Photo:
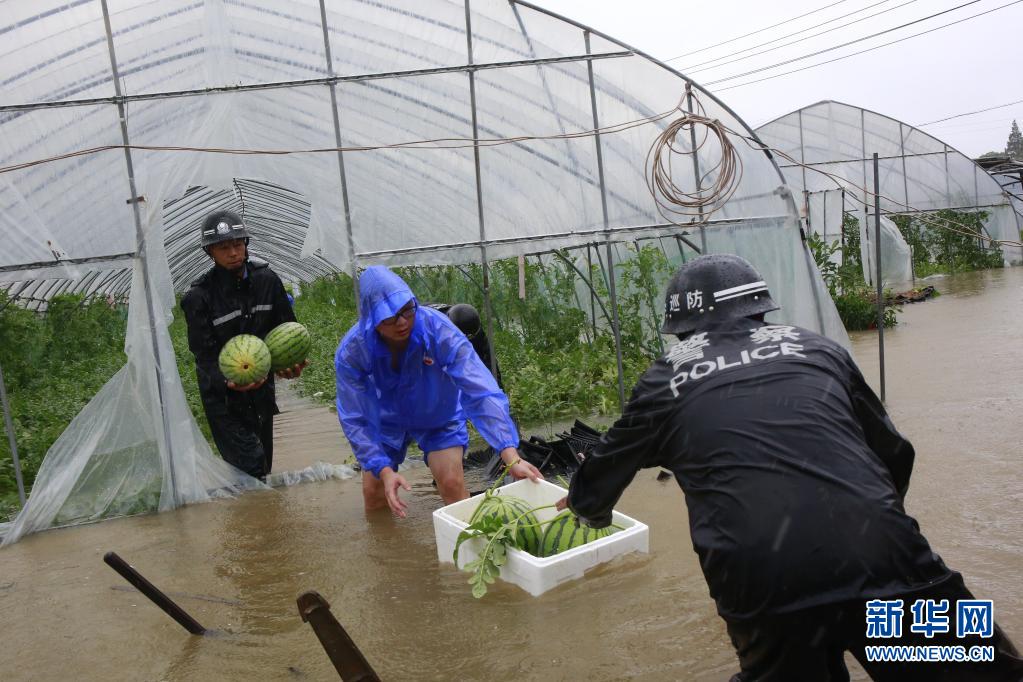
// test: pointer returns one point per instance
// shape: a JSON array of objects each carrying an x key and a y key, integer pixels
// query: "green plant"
[
  {"x": 855, "y": 302},
  {"x": 54, "y": 363},
  {"x": 948, "y": 241},
  {"x": 858, "y": 310},
  {"x": 823, "y": 254}
]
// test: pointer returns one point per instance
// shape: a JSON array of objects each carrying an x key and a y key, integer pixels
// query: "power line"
[
  {"x": 787, "y": 35},
  {"x": 846, "y": 44},
  {"x": 869, "y": 49},
  {"x": 969, "y": 113},
  {"x": 815, "y": 35},
  {"x": 759, "y": 30}
]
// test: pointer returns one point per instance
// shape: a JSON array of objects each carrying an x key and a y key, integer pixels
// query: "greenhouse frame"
[{"x": 348, "y": 133}]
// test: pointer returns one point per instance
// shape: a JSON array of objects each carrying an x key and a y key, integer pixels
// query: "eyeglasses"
[{"x": 405, "y": 313}]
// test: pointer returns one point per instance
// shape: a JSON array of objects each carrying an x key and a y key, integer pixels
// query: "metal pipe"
[
  {"x": 121, "y": 98},
  {"x": 824, "y": 214},
  {"x": 607, "y": 227},
  {"x": 841, "y": 225},
  {"x": 877, "y": 257},
  {"x": 864, "y": 227},
  {"x": 802, "y": 152},
  {"x": 614, "y": 325},
  {"x": 114, "y": 261},
  {"x": 349, "y": 662},
  {"x": 593, "y": 293},
  {"x": 340, "y": 157},
  {"x": 696, "y": 169},
  {"x": 607, "y": 315},
  {"x": 669, "y": 228},
  {"x": 487, "y": 303},
  {"x": 140, "y": 236},
  {"x": 902, "y": 149},
  {"x": 154, "y": 595},
  {"x": 9, "y": 425}
]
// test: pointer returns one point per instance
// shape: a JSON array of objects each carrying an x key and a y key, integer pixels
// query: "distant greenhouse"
[{"x": 919, "y": 175}]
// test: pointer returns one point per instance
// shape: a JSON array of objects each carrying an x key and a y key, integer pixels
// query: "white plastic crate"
[{"x": 533, "y": 574}]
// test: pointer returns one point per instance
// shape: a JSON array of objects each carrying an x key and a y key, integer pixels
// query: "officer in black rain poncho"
[
  {"x": 239, "y": 295},
  {"x": 468, "y": 321},
  {"x": 794, "y": 479}
]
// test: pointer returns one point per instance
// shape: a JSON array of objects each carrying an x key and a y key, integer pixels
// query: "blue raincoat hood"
[{"x": 381, "y": 295}]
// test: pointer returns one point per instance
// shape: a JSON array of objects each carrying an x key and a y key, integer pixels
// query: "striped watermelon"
[
  {"x": 289, "y": 344},
  {"x": 508, "y": 508},
  {"x": 245, "y": 359},
  {"x": 565, "y": 532}
]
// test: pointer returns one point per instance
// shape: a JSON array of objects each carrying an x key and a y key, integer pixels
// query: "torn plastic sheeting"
[{"x": 320, "y": 471}]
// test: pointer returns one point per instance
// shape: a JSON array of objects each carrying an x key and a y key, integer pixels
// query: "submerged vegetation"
[
  {"x": 943, "y": 242},
  {"x": 854, "y": 299},
  {"x": 937, "y": 250}
]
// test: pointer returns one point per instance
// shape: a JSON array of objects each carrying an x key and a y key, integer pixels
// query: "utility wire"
[
  {"x": 845, "y": 44},
  {"x": 759, "y": 30},
  {"x": 793, "y": 42},
  {"x": 969, "y": 113},
  {"x": 869, "y": 49},
  {"x": 438, "y": 143}
]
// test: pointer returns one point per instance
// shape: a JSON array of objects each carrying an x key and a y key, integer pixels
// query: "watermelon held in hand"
[
  {"x": 507, "y": 508},
  {"x": 245, "y": 359},
  {"x": 289, "y": 345},
  {"x": 566, "y": 532}
]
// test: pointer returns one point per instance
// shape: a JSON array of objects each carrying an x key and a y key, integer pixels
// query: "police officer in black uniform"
[
  {"x": 239, "y": 295},
  {"x": 794, "y": 479}
]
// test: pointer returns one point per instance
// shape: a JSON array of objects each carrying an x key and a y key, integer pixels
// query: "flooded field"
[{"x": 955, "y": 388}]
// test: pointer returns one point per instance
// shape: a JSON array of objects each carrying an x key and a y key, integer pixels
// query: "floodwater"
[{"x": 955, "y": 388}]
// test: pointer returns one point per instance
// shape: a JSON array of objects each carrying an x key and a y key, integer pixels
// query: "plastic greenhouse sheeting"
[
  {"x": 896, "y": 256},
  {"x": 370, "y": 131},
  {"x": 917, "y": 172},
  {"x": 135, "y": 447}
]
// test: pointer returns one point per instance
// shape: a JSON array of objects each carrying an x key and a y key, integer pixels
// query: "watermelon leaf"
[{"x": 500, "y": 536}]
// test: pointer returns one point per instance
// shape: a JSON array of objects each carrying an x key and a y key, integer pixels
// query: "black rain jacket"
[
  {"x": 793, "y": 474},
  {"x": 219, "y": 306}
]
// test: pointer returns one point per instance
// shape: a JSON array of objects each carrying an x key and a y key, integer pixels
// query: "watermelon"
[
  {"x": 245, "y": 359},
  {"x": 289, "y": 344},
  {"x": 565, "y": 532},
  {"x": 508, "y": 508}
]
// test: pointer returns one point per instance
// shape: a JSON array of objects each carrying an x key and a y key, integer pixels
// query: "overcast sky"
[{"x": 969, "y": 66}]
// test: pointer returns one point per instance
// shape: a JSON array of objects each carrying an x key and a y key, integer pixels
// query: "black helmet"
[
  {"x": 712, "y": 288},
  {"x": 465, "y": 318},
  {"x": 220, "y": 226}
]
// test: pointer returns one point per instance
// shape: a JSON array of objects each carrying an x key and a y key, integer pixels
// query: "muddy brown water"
[{"x": 955, "y": 388}]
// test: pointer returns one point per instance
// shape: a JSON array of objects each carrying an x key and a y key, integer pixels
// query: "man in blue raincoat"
[{"x": 407, "y": 373}]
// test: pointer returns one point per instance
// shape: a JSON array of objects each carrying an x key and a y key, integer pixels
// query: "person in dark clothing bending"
[
  {"x": 794, "y": 478},
  {"x": 238, "y": 295},
  {"x": 467, "y": 319}
]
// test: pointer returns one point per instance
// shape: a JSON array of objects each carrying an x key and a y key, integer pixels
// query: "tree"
[{"x": 1014, "y": 147}]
